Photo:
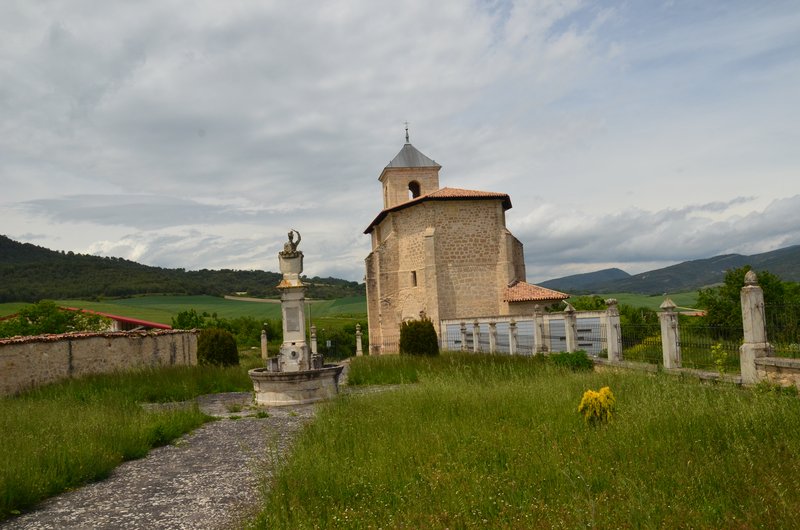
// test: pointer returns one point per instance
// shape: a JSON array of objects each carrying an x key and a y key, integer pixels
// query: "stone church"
[{"x": 444, "y": 253}]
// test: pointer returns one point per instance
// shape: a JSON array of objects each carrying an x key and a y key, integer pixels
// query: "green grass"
[
  {"x": 67, "y": 434},
  {"x": 163, "y": 308},
  {"x": 488, "y": 442}
]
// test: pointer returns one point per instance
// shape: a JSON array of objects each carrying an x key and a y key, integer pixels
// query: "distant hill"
[
  {"x": 29, "y": 273},
  {"x": 585, "y": 281},
  {"x": 686, "y": 276}
]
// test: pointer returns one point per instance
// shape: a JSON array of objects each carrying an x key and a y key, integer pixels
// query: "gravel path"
[{"x": 207, "y": 479}]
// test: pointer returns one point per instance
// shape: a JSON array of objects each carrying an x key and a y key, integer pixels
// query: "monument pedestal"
[{"x": 295, "y": 376}]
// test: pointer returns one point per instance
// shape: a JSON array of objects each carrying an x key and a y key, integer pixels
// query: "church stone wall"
[
  {"x": 468, "y": 248},
  {"x": 395, "y": 189},
  {"x": 518, "y": 256},
  {"x": 458, "y": 254}
]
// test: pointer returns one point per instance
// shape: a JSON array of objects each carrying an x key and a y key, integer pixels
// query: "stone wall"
[
  {"x": 779, "y": 371},
  {"x": 27, "y": 362}
]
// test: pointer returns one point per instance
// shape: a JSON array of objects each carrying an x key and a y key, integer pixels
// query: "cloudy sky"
[{"x": 630, "y": 133}]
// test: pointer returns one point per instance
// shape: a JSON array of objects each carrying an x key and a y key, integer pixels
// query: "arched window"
[{"x": 413, "y": 189}]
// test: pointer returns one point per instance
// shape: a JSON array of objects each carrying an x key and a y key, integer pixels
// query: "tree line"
[{"x": 29, "y": 273}]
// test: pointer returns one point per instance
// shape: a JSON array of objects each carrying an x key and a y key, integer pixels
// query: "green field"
[
  {"x": 684, "y": 301},
  {"x": 163, "y": 308}
]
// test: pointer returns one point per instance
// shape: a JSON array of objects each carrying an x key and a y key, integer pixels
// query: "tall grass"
[
  {"x": 66, "y": 434},
  {"x": 488, "y": 442}
]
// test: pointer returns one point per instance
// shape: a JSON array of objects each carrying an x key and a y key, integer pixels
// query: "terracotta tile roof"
[
  {"x": 443, "y": 194},
  {"x": 458, "y": 193},
  {"x": 527, "y": 292}
]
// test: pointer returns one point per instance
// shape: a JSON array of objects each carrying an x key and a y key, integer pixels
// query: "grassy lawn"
[
  {"x": 67, "y": 434},
  {"x": 163, "y": 308},
  {"x": 496, "y": 442}
]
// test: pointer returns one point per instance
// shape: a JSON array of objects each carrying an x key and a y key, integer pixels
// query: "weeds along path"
[{"x": 207, "y": 479}]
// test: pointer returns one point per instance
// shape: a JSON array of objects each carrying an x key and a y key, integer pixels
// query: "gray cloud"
[{"x": 194, "y": 138}]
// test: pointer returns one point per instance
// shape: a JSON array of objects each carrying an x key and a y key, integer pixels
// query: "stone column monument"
[
  {"x": 295, "y": 354},
  {"x": 297, "y": 375}
]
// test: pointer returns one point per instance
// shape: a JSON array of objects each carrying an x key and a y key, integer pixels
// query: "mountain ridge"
[{"x": 681, "y": 277}]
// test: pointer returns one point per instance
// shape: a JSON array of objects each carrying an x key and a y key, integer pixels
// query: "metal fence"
[
  {"x": 711, "y": 348},
  {"x": 591, "y": 334},
  {"x": 642, "y": 343},
  {"x": 783, "y": 329},
  {"x": 387, "y": 345}
]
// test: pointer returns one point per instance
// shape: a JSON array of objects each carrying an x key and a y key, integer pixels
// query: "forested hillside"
[{"x": 29, "y": 273}]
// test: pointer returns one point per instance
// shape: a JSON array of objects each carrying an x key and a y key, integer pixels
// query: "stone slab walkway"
[{"x": 207, "y": 479}]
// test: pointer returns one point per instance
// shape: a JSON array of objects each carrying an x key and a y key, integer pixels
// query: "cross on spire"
[{"x": 407, "y": 133}]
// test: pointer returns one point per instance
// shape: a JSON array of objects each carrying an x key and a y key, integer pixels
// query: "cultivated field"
[
  {"x": 163, "y": 308},
  {"x": 684, "y": 301}
]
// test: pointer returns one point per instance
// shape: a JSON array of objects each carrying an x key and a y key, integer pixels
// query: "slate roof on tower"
[{"x": 410, "y": 156}]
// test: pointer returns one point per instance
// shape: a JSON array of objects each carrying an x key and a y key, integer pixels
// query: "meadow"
[
  {"x": 64, "y": 435},
  {"x": 497, "y": 442}
]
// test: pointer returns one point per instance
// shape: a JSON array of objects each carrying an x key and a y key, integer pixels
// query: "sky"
[{"x": 632, "y": 134}]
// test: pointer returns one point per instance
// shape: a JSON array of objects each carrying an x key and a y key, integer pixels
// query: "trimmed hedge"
[
  {"x": 217, "y": 346},
  {"x": 418, "y": 337}
]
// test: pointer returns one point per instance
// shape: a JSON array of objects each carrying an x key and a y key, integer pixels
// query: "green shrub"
[
  {"x": 417, "y": 337},
  {"x": 576, "y": 361},
  {"x": 217, "y": 346}
]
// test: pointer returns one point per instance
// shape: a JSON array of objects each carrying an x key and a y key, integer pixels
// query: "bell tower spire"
[{"x": 409, "y": 175}]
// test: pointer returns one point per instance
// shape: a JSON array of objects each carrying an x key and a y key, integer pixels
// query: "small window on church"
[
  {"x": 413, "y": 189},
  {"x": 413, "y": 278}
]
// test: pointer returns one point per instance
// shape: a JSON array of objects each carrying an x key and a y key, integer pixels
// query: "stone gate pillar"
[
  {"x": 571, "y": 328},
  {"x": 359, "y": 345},
  {"x": 492, "y": 337},
  {"x": 539, "y": 336},
  {"x": 613, "y": 332},
  {"x": 463, "y": 336},
  {"x": 512, "y": 337},
  {"x": 670, "y": 335},
  {"x": 264, "y": 352},
  {"x": 755, "y": 330},
  {"x": 476, "y": 337}
]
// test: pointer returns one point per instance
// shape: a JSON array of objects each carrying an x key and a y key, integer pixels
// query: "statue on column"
[{"x": 290, "y": 247}]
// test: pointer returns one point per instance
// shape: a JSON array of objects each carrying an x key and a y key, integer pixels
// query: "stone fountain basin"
[{"x": 275, "y": 389}]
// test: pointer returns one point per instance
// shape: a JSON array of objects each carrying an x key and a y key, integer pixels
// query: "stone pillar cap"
[{"x": 668, "y": 305}]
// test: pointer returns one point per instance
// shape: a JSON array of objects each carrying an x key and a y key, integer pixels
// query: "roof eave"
[{"x": 506, "y": 205}]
